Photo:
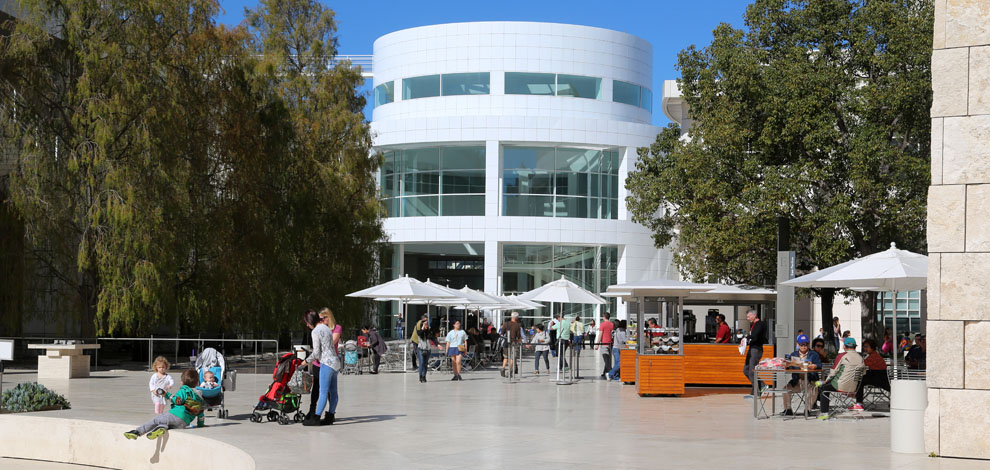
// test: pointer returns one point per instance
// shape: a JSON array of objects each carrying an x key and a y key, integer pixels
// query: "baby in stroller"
[{"x": 214, "y": 379}]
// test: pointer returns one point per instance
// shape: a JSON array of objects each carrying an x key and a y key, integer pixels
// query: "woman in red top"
[{"x": 724, "y": 334}]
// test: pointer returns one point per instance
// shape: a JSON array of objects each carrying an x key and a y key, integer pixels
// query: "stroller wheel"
[
  {"x": 256, "y": 417},
  {"x": 272, "y": 416},
  {"x": 299, "y": 417},
  {"x": 283, "y": 420},
  {"x": 222, "y": 414}
]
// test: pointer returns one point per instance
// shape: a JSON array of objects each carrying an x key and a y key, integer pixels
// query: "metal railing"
[{"x": 21, "y": 343}]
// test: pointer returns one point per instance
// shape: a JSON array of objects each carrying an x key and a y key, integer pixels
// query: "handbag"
[{"x": 462, "y": 348}]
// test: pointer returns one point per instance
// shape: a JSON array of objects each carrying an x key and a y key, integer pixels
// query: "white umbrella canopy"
[
  {"x": 523, "y": 304},
  {"x": 404, "y": 288},
  {"x": 890, "y": 270},
  {"x": 740, "y": 292},
  {"x": 656, "y": 288},
  {"x": 562, "y": 291}
]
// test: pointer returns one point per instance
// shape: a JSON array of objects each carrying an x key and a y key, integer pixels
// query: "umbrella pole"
[
  {"x": 896, "y": 341},
  {"x": 405, "y": 308}
]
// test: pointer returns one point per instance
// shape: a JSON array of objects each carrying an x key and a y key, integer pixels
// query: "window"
[
  {"x": 635, "y": 95},
  {"x": 420, "y": 87},
  {"x": 465, "y": 84},
  {"x": 519, "y": 83},
  {"x": 908, "y": 311},
  {"x": 384, "y": 93},
  {"x": 560, "y": 182},
  {"x": 434, "y": 181},
  {"x": 526, "y": 267},
  {"x": 627, "y": 93},
  {"x": 579, "y": 87}
]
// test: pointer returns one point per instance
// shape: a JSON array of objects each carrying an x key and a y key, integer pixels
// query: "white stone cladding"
[
  {"x": 958, "y": 418},
  {"x": 496, "y": 119}
]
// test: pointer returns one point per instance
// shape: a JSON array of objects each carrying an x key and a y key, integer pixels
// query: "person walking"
[
  {"x": 577, "y": 334},
  {"x": 542, "y": 348},
  {"x": 590, "y": 333},
  {"x": 605, "y": 342},
  {"x": 455, "y": 339},
  {"x": 311, "y": 319},
  {"x": 563, "y": 328},
  {"x": 425, "y": 334},
  {"x": 325, "y": 336},
  {"x": 756, "y": 339},
  {"x": 619, "y": 338},
  {"x": 513, "y": 331},
  {"x": 376, "y": 345},
  {"x": 415, "y": 340}
]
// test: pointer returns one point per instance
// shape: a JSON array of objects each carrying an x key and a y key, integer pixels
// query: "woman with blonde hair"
[{"x": 326, "y": 334}]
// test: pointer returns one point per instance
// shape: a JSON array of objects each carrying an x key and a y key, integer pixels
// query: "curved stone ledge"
[{"x": 103, "y": 444}]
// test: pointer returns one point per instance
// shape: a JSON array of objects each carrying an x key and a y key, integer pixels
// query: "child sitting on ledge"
[{"x": 186, "y": 405}]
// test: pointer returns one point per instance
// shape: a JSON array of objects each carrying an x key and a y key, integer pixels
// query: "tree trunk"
[
  {"x": 872, "y": 329},
  {"x": 828, "y": 331}
]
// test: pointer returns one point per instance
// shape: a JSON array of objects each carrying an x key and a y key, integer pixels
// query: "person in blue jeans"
[
  {"x": 325, "y": 336},
  {"x": 619, "y": 338},
  {"x": 425, "y": 338},
  {"x": 542, "y": 348}
]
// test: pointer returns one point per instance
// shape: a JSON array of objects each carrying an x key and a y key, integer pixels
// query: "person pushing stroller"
[{"x": 186, "y": 405}]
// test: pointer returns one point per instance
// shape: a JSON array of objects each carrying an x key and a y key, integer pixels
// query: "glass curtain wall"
[
  {"x": 908, "y": 311},
  {"x": 633, "y": 94},
  {"x": 434, "y": 181},
  {"x": 384, "y": 93},
  {"x": 560, "y": 182},
  {"x": 578, "y": 86},
  {"x": 526, "y": 267}
]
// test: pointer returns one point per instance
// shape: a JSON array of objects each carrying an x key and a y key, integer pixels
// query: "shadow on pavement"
[{"x": 364, "y": 419}]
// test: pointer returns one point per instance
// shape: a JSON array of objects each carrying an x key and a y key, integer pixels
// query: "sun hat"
[
  {"x": 802, "y": 339},
  {"x": 850, "y": 342}
]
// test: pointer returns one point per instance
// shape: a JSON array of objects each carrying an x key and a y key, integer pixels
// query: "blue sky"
[{"x": 669, "y": 25}]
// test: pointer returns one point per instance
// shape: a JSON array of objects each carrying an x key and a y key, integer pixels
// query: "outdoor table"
[
  {"x": 63, "y": 361},
  {"x": 791, "y": 370}
]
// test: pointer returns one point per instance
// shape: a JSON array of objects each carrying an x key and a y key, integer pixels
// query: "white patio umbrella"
[
  {"x": 892, "y": 270},
  {"x": 404, "y": 289},
  {"x": 439, "y": 302},
  {"x": 562, "y": 291}
]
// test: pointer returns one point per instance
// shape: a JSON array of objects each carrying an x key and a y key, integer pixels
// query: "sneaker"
[
  {"x": 823, "y": 416},
  {"x": 327, "y": 419},
  {"x": 503, "y": 372},
  {"x": 788, "y": 412},
  {"x": 132, "y": 434},
  {"x": 536, "y": 372},
  {"x": 156, "y": 433},
  {"x": 856, "y": 407},
  {"x": 453, "y": 379},
  {"x": 608, "y": 378}
]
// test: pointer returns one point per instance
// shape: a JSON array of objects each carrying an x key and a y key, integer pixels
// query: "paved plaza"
[{"x": 391, "y": 420}]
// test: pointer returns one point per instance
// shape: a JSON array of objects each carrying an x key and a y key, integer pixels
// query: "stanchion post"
[{"x": 151, "y": 356}]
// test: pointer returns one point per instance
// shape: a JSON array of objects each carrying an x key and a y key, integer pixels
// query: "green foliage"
[
  {"x": 171, "y": 177},
  {"x": 817, "y": 112},
  {"x": 31, "y": 397}
]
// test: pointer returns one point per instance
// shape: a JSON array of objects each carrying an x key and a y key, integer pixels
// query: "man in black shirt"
[{"x": 756, "y": 339}]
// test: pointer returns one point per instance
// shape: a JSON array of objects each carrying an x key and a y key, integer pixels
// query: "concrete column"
[{"x": 958, "y": 323}]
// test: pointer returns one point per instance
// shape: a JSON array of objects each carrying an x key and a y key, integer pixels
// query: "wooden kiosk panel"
[
  {"x": 660, "y": 375},
  {"x": 717, "y": 364},
  {"x": 627, "y": 365}
]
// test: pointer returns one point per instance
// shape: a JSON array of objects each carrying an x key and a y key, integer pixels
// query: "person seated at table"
[
  {"x": 842, "y": 378},
  {"x": 800, "y": 382},
  {"x": 876, "y": 372},
  {"x": 915, "y": 358},
  {"x": 819, "y": 346}
]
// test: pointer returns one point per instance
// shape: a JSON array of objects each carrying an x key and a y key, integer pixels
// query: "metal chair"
[
  {"x": 769, "y": 391},
  {"x": 841, "y": 401}
]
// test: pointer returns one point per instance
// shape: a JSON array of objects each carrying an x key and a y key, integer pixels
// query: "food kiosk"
[{"x": 663, "y": 359}]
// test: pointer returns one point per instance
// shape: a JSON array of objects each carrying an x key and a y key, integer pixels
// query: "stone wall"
[{"x": 958, "y": 414}]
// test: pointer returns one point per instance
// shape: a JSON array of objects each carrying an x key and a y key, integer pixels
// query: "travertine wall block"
[
  {"x": 965, "y": 280},
  {"x": 978, "y": 217},
  {"x": 979, "y": 79},
  {"x": 931, "y": 421},
  {"x": 966, "y": 150},
  {"x": 947, "y": 224},
  {"x": 933, "y": 294},
  {"x": 937, "y": 150},
  {"x": 938, "y": 41},
  {"x": 977, "y": 355},
  {"x": 963, "y": 419},
  {"x": 950, "y": 77},
  {"x": 966, "y": 23},
  {"x": 945, "y": 347}
]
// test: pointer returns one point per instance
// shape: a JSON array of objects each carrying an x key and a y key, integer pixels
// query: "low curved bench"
[{"x": 103, "y": 444}]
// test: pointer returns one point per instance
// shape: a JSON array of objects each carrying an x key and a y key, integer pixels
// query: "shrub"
[{"x": 32, "y": 397}]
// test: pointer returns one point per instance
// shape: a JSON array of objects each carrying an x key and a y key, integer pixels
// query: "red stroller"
[{"x": 279, "y": 400}]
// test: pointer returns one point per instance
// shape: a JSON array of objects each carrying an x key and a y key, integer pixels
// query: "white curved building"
[{"x": 507, "y": 147}]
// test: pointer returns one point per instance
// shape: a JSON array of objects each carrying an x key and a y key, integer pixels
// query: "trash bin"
[{"x": 908, "y": 400}]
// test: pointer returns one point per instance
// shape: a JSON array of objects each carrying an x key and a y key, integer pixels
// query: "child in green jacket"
[{"x": 186, "y": 405}]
